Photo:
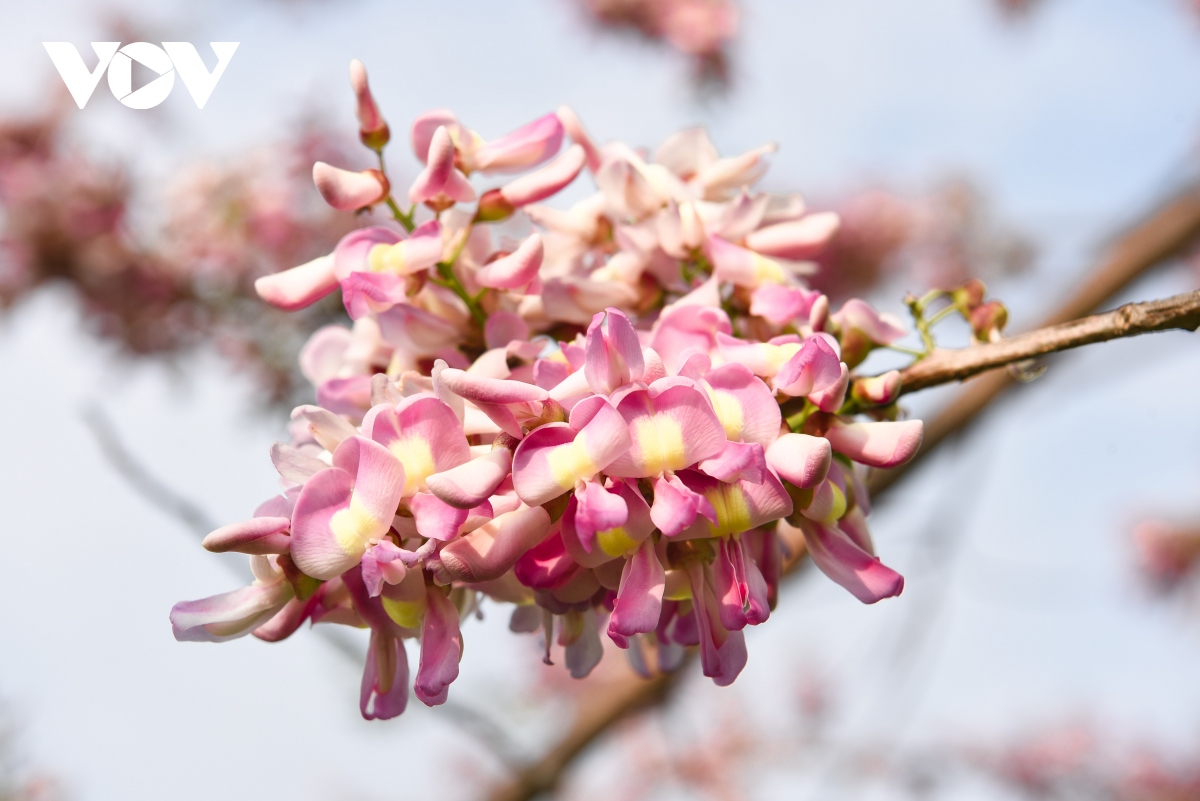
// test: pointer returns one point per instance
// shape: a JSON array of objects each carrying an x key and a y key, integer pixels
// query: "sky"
[{"x": 1020, "y": 607}]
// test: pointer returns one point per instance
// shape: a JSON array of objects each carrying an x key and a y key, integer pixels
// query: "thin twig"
[
  {"x": 140, "y": 478},
  {"x": 1164, "y": 233},
  {"x": 946, "y": 366}
]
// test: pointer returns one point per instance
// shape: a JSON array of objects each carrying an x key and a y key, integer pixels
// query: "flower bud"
[
  {"x": 988, "y": 320},
  {"x": 493, "y": 207},
  {"x": 372, "y": 129},
  {"x": 347, "y": 191},
  {"x": 877, "y": 390}
]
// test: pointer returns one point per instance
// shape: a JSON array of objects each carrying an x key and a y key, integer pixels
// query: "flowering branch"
[
  {"x": 944, "y": 366},
  {"x": 1166, "y": 231}
]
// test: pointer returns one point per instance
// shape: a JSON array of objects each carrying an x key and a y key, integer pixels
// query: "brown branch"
[
  {"x": 1164, "y": 233},
  {"x": 1132, "y": 319}
]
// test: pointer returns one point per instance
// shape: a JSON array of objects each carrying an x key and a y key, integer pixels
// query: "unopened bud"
[
  {"x": 877, "y": 390},
  {"x": 372, "y": 129},
  {"x": 493, "y": 207},
  {"x": 988, "y": 320},
  {"x": 969, "y": 295},
  {"x": 346, "y": 190}
]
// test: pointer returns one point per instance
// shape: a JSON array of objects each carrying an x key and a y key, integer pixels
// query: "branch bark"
[
  {"x": 1132, "y": 319},
  {"x": 1162, "y": 234}
]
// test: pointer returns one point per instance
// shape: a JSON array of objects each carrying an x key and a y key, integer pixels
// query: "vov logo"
[{"x": 172, "y": 57}]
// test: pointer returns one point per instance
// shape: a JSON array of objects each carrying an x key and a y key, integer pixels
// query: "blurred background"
[{"x": 1036, "y": 651}]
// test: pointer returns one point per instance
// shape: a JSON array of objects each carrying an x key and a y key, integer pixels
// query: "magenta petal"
[
  {"x": 384, "y": 690},
  {"x": 258, "y": 535},
  {"x": 877, "y": 444},
  {"x": 435, "y": 518},
  {"x": 548, "y": 564},
  {"x": 782, "y": 305},
  {"x": 441, "y": 650},
  {"x": 300, "y": 286},
  {"x": 800, "y": 459},
  {"x": 729, "y": 585},
  {"x": 639, "y": 599},
  {"x": 838, "y": 557}
]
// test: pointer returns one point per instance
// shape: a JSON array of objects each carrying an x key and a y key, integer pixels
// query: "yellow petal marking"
[
  {"x": 729, "y": 412},
  {"x": 659, "y": 439},
  {"x": 417, "y": 457},
  {"x": 377, "y": 258},
  {"x": 767, "y": 271},
  {"x": 733, "y": 512},
  {"x": 571, "y": 462},
  {"x": 405, "y": 613},
  {"x": 354, "y": 527},
  {"x": 616, "y": 541},
  {"x": 393, "y": 259}
]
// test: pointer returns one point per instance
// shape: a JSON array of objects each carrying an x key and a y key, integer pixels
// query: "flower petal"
[
  {"x": 800, "y": 459},
  {"x": 838, "y": 557},
  {"x": 300, "y": 286},
  {"x": 441, "y": 650},
  {"x": 882, "y": 444},
  {"x": 258, "y": 535},
  {"x": 639, "y": 599},
  {"x": 492, "y": 549}
]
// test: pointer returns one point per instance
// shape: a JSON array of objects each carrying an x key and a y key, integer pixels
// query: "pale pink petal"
[
  {"x": 613, "y": 352},
  {"x": 528, "y": 146},
  {"x": 800, "y": 459},
  {"x": 327, "y": 428},
  {"x": 372, "y": 128},
  {"x": 804, "y": 238},
  {"x": 480, "y": 389},
  {"x": 435, "y": 518},
  {"x": 229, "y": 615},
  {"x": 420, "y": 251},
  {"x": 354, "y": 251},
  {"x": 882, "y": 444},
  {"x": 300, "y": 286},
  {"x": 545, "y": 181},
  {"x": 472, "y": 482},
  {"x": 744, "y": 404},
  {"x": 685, "y": 327},
  {"x": 687, "y": 152},
  {"x": 515, "y": 270},
  {"x": 671, "y": 431},
  {"x": 382, "y": 563},
  {"x": 676, "y": 506},
  {"x": 347, "y": 191},
  {"x": 366, "y": 294},
  {"x": 783, "y": 305},
  {"x": 554, "y": 457},
  {"x": 425, "y": 125},
  {"x": 258, "y": 535},
  {"x": 739, "y": 461},
  {"x": 579, "y": 136},
  {"x": 504, "y": 327},
  {"x": 424, "y": 434},
  {"x": 880, "y": 329},
  {"x": 440, "y": 177},
  {"x": 492, "y": 549},
  {"x": 742, "y": 267},
  {"x": 832, "y": 397}
]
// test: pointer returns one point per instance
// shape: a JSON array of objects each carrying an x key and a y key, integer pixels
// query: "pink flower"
[{"x": 347, "y": 191}]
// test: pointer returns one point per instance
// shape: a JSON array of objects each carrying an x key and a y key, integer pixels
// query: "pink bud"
[
  {"x": 877, "y": 390},
  {"x": 440, "y": 185},
  {"x": 347, "y": 191},
  {"x": 800, "y": 459},
  {"x": 372, "y": 129}
]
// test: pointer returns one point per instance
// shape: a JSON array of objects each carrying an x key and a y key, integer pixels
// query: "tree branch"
[
  {"x": 1162, "y": 234},
  {"x": 944, "y": 366}
]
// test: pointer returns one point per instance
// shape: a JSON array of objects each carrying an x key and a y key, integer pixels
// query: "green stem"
[{"x": 796, "y": 421}]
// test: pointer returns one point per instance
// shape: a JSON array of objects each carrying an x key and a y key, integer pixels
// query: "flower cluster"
[{"x": 605, "y": 421}]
